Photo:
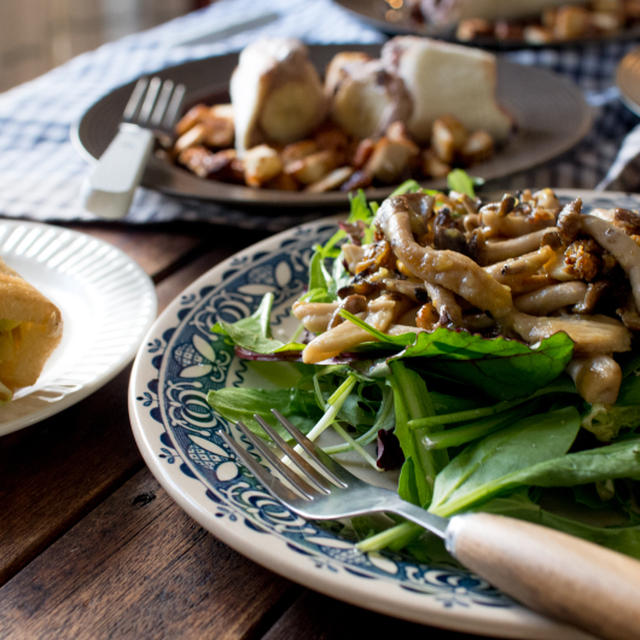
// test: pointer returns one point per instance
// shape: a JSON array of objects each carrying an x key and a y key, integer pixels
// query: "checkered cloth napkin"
[{"x": 41, "y": 172}]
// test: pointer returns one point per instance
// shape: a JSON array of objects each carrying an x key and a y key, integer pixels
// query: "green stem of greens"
[
  {"x": 334, "y": 403},
  {"x": 384, "y": 417},
  {"x": 468, "y": 432},
  {"x": 465, "y": 416},
  {"x": 355, "y": 445},
  {"x": 366, "y": 438},
  {"x": 482, "y": 412},
  {"x": 392, "y": 537}
]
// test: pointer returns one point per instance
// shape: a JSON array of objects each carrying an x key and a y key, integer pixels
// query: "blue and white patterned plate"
[{"x": 178, "y": 435}]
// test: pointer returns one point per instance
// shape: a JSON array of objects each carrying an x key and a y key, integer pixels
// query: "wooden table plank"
[
  {"x": 53, "y": 472},
  {"x": 317, "y": 617},
  {"x": 138, "y": 567},
  {"x": 153, "y": 248}
]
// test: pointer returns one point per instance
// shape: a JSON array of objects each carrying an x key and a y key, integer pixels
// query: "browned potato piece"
[
  {"x": 632, "y": 9},
  {"x": 607, "y": 20},
  {"x": 397, "y": 132},
  {"x": 432, "y": 166},
  {"x": 473, "y": 28},
  {"x": 261, "y": 164},
  {"x": 206, "y": 164},
  {"x": 191, "y": 118},
  {"x": 363, "y": 153},
  {"x": 194, "y": 136},
  {"x": 447, "y": 137},
  {"x": 537, "y": 35},
  {"x": 332, "y": 137},
  {"x": 331, "y": 181},
  {"x": 284, "y": 182},
  {"x": 219, "y": 125},
  {"x": 571, "y": 22},
  {"x": 297, "y": 150},
  {"x": 212, "y": 125},
  {"x": 313, "y": 167},
  {"x": 478, "y": 146},
  {"x": 390, "y": 159}
]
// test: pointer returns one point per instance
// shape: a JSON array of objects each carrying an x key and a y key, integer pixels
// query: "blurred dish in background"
[
  {"x": 628, "y": 80},
  {"x": 527, "y": 93},
  {"x": 557, "y": 23}
]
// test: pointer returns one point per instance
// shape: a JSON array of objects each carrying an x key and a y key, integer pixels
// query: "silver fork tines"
[
  {"x": 313, "y": 484},
  {"x": 154, "y": 102}
]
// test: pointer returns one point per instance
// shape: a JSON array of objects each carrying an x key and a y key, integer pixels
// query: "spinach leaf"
[
  {"x": 500, "y": 367},
  {"x": 459, "y": 180},
  {"x": 411, "y": 401},
  {"x": 491, "y": 465},
  {"x": 254, "y": 332},
  {"x": 299, "y": 405}
]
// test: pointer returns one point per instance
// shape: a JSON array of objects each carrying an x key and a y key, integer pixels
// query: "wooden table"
[{"x": 91, "y": 546}]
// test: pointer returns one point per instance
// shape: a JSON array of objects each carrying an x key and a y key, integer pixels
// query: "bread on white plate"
[{"x": 30, "y": 329}]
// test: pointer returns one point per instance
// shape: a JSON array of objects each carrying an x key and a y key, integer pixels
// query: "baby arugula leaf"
[
  {"x": 459, "y": 180},
  {"x": 253, "y": 333},
  {"x": 411, "y": 401},
  {"x": 241, "y": 403},
  {"x": 492, "y": 465}
]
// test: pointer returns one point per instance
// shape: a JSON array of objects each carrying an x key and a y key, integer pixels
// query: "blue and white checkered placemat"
[{"x": 41, "y": 173}]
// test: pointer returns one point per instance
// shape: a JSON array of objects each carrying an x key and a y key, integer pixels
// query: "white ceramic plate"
[
  {"x": 107, "y": 302},
  {"x": 178, "y": 435}
]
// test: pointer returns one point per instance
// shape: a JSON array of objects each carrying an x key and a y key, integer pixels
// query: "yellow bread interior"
[{"x": 30, "y": 329}]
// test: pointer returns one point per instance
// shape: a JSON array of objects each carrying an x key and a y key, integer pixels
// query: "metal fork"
[
  {"x": 152, "y": 110},
  {"x": 554, "y": 573}
]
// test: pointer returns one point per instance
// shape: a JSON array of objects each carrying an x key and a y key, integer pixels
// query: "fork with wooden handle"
[{"x": 551, "y": 572}]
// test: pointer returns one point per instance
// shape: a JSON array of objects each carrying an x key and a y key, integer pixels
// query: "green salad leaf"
[
  {"x": 239, "y": 403},
  {"x": 502, "y": 459},
  {"x": 412, "y": 401},
  {"x": 500, "y": 367}
]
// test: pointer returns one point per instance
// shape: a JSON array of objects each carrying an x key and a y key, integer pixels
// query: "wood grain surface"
[{"x": 92, "y": 547}]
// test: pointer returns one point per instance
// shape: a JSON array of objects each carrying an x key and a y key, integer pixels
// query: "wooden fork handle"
[{"x": 559, "y": 575}]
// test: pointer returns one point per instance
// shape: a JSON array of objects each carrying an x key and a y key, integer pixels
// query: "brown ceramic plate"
[
  {"x": 528, "y": 93},
  {"x": 628, "y": 80},
  {"x": 381, "y": 15}
]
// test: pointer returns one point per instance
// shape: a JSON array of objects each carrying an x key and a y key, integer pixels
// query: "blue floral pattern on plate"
[{"x": 178, "y": 434}]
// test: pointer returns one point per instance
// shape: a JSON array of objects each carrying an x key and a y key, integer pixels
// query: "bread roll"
[
  {"x": 365, "y": 98},
  {"x": 276, "y": 93},
  {"x": 30, "y": 329},
  {"x": 444, "y": 78}
]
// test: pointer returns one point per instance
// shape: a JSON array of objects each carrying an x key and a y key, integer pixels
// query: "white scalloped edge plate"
[{"x": 107, "y": 302}]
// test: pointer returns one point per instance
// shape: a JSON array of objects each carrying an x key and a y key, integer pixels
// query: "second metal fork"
[
  {"x": 152, "y": 109},
  {"x": 554, "y": 573}
]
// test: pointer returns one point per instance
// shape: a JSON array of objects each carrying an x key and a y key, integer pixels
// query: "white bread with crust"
[
  {"x": 444, "y": 78},
  {"x": 276, "y": 93},
  {"x": 31, "y": 330}
]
